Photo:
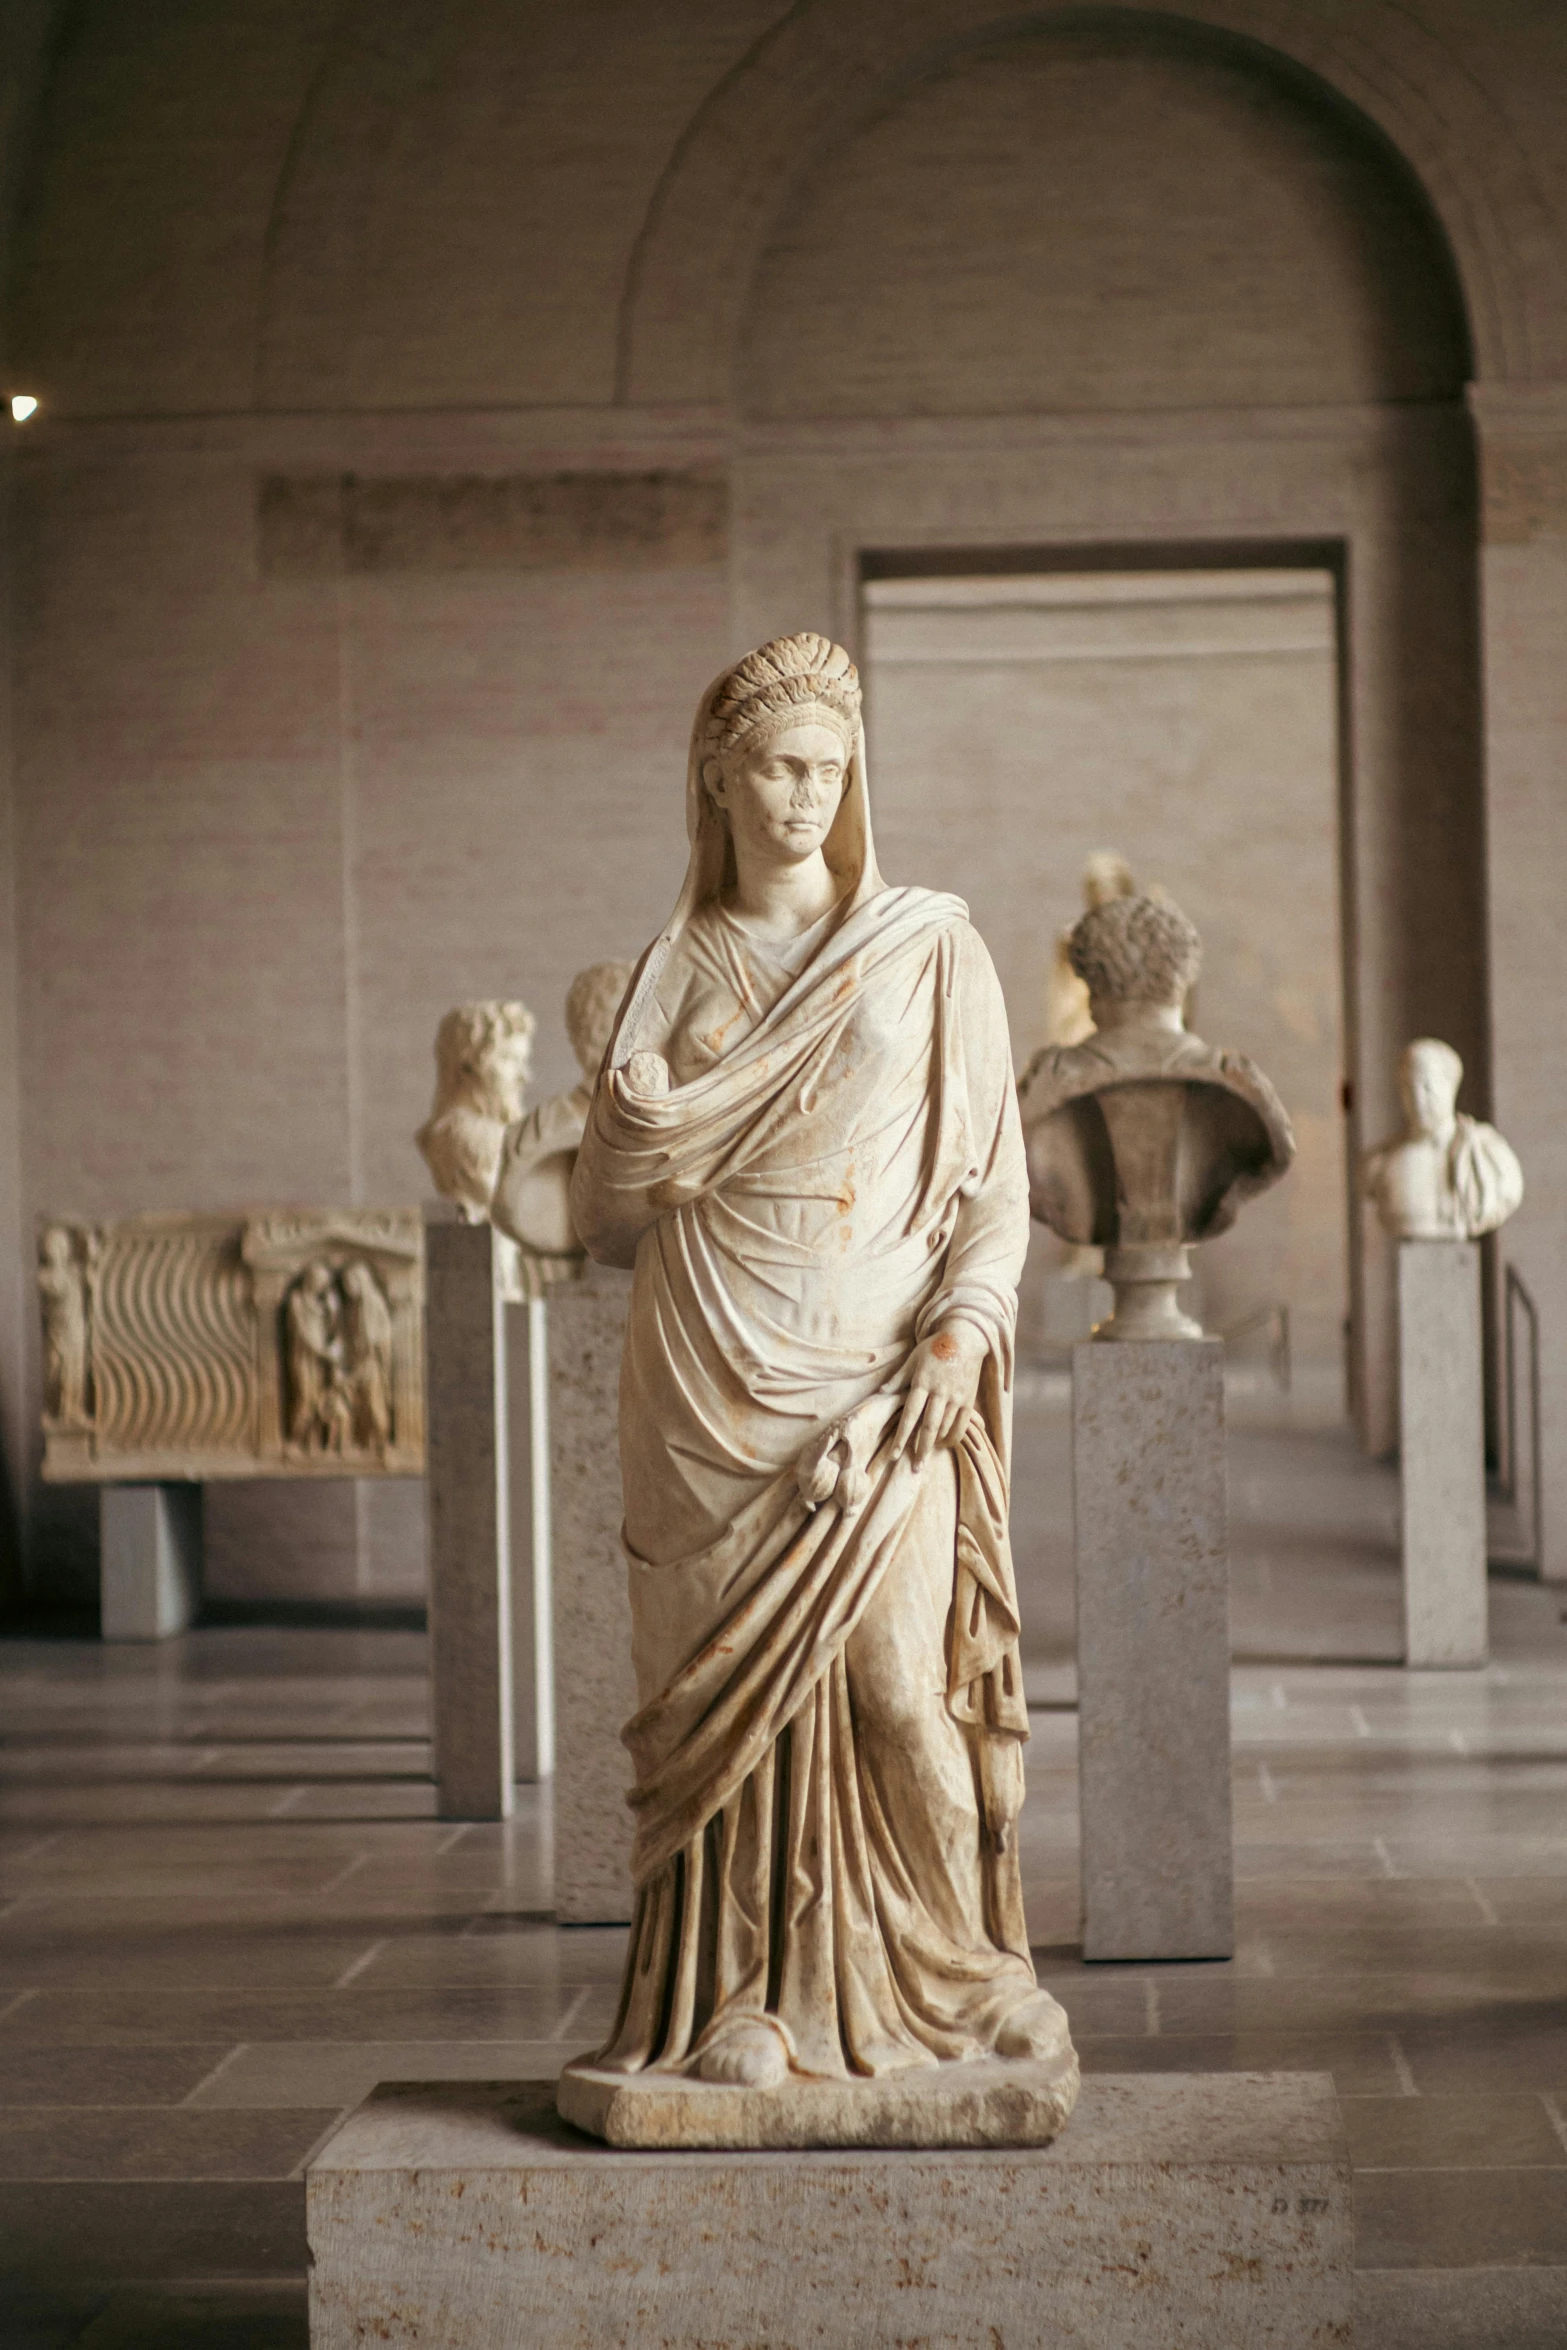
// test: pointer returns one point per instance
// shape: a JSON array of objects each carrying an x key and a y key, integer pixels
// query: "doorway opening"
[{"x": 1024, "y": 721}]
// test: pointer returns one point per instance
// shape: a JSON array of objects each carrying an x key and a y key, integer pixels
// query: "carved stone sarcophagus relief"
[{"x": 285, "y": 1343}]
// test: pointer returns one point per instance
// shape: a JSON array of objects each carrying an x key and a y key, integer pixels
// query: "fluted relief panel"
[{"x": 284, "y": 1343}]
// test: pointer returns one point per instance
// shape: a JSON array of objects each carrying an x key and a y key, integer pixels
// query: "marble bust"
[
  {"x": 1142, "y": 1139},
  {"x": 1447, "y": 1176},
  {"x": 1068, "y": 1020},
  {"x": 483, "y": 1059},
  {"x": 805, "y": 1143},
  {"x": 531, "y": 1203}
]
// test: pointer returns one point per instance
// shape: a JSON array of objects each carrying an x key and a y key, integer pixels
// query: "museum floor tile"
[{"x": 226, "y": 1912}]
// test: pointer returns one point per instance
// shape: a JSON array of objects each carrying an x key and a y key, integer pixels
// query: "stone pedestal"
[
  {"x": 532, "y": 1608},
  {"x": 468, "y": 1500},
  {"x": 1153, "y": 1649},
  {"x": 1442, "y": 1452},
  {"x": 150, "y": 1554},
  {"x": 1204, "y": 2210},
  {"x": 595, "y": 1689}
]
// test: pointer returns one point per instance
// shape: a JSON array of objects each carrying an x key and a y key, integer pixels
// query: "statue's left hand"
[{"x": 943, "y": 1382}]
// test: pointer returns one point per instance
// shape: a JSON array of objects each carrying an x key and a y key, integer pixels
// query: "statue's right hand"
[{"x": 942, "y": 1386}]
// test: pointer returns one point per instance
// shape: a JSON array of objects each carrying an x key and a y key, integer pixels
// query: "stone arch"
[
  {"x": 829, "y": 62},
  {"x": 1098, "y": 217},
  {"x": 323, "y": 212}
]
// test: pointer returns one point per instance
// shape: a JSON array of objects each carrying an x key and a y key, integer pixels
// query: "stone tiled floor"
[{"x": 226, "y": 1911}]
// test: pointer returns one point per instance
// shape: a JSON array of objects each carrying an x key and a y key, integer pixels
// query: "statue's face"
[
  {"x": 1430, "y": 1092},
  {"x": 57, "y": 1248},
  {"x": 782, "y": 794},
  {"x": 504, "y": 1072}
]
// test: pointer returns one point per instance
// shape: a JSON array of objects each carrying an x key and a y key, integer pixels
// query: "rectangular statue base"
[
  {"x": 1153, "y": 1648},
  {"x": 150, "y": 1548},
  {"x": 1442, "y": 1453},
  {"x": 996, "y": 2101},
  {"x": 595, "y": 1685},
  {"x": 1206, "y": 2210}
]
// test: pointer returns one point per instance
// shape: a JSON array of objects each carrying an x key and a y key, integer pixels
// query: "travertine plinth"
[
  {"x": 468, "y": 1505},
  {"x": 595, "y": 1688},
  {"x": 1441, "y": 1452},
  {"x": 528, "y": 1502},
  {"x": 1188, "y": 2212},
  {"x": 1153, "y": 1649},
  {"x": 997, "y": 2101},
  {"x": 149, "y": 1560}
]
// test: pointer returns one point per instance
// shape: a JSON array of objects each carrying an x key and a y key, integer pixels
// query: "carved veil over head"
[{"x": 793, "y": 681}]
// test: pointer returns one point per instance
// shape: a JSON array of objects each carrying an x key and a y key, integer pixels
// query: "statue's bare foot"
[
  {"x": 1037, "y": 2029},
  {"x": 749, "y": 2055}
]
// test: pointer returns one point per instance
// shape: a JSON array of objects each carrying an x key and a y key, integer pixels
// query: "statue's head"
[
  {"x": 1106, "y": 875},
  {"x": 317, "y": 1278},
  {"x": 592, "y": 1001},
  {"x": 483, "y": 1058},
  {"x": 1429, "y": 1079},
  {"x": 356, "y": 1281},
  {"x": 55, "y": 1247},
  {"x": 1136, "y": 951},
  {"x": 780, "y": 735}
]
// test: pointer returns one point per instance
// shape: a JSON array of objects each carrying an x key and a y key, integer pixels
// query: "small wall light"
[{"x": 23, "y": 405}]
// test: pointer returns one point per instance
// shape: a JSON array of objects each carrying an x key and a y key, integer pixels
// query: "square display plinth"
[{"x": 1195, "y": 2212}]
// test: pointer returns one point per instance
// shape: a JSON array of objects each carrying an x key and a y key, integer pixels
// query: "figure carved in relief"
[
  {"x": 483, "y": 1059},
  {"x": 319, "y": 1412},
  {"x": 806, "y": 1143},
  {"x": 367, "y": 1353},
  {"x": 62, "y": 1292}
]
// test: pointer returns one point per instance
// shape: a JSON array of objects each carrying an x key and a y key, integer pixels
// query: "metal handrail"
[{"x": 1518, "y": 1304}]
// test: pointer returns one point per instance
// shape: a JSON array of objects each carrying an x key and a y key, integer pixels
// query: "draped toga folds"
[{"x": 822, "y": 1166}]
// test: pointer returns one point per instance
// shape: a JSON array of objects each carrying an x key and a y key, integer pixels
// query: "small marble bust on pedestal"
[
  {"x": 1447, "y": 1176},
  {"x": 1437, "y": 1188},
  {"x": 483, "y": 1060},
  {"x": 531, "y": 1198},
  {"x": 1142, "y": 1139},
  {"x": 1068, "y": 1019}
]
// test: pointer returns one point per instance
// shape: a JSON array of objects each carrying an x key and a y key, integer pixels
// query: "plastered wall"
[
  {"x": 888, "y": 280},
  {"x": 1189, "y": 720}
]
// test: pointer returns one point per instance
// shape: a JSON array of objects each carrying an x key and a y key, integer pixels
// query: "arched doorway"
[{"x": 1115, "y": 285}]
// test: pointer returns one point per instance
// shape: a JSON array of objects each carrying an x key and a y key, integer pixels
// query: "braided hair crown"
[{"x": 784, "y": 683}]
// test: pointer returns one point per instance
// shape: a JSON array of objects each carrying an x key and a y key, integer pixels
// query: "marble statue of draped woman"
[{"x": 806, "y": 1143}]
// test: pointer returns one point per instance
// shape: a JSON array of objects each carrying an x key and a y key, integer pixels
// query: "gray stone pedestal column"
[
  {"x": 594, "y": 1684},
  {"x": 150, "y": 1560},
  {"x": 1153, "y": 1648},
  {"x": 468, "y": 1499},
  {"x": 1441, "y": 1452},
  {"x": 532, "y": 1618}
]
